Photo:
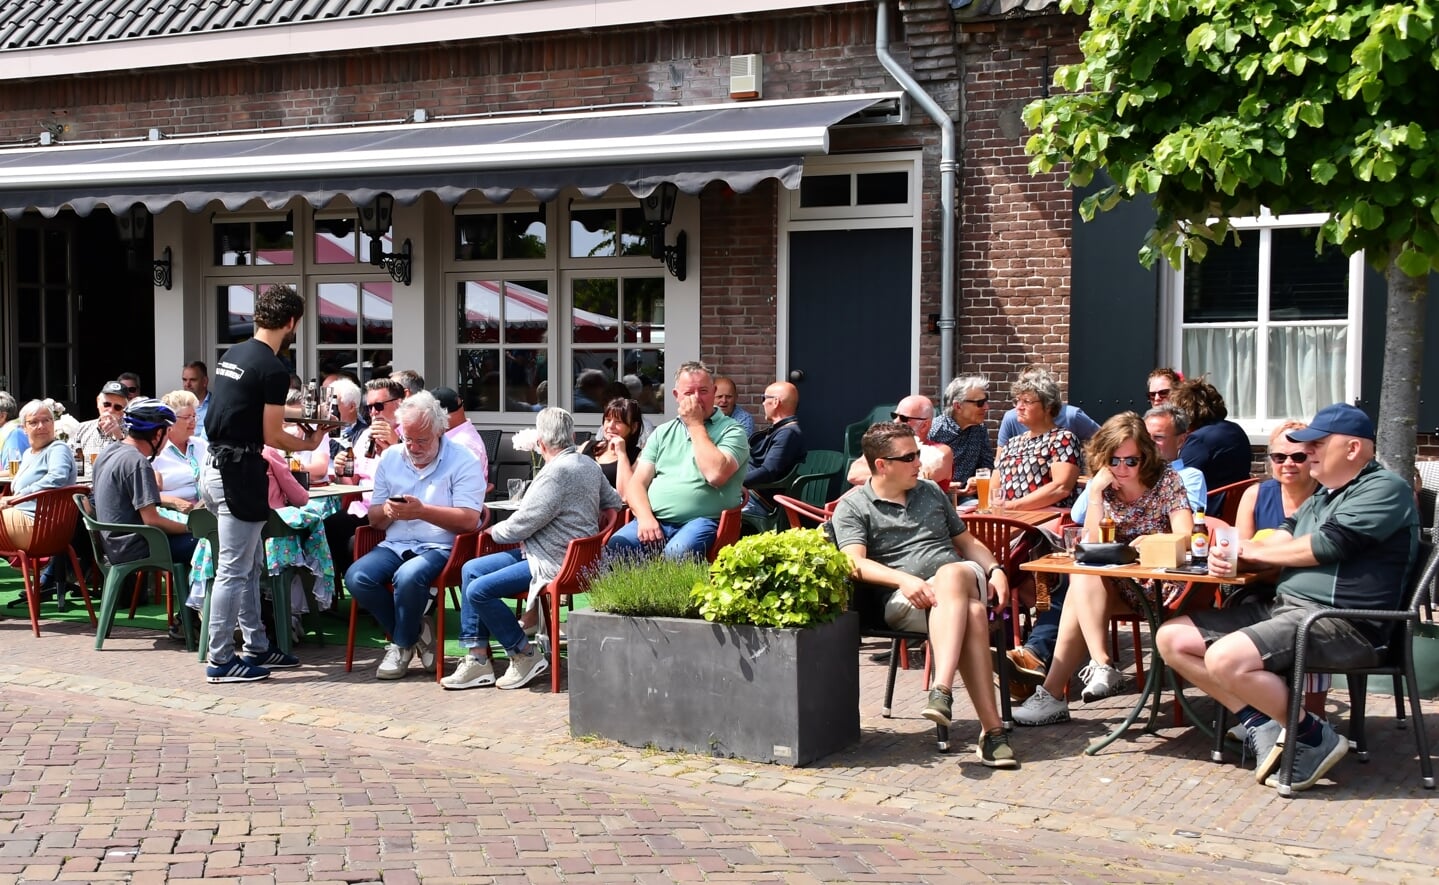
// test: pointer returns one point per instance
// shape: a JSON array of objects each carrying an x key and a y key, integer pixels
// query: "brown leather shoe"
[
  {"x": 1026, "y": 665},
  {"x": 1020, "y": 691}
]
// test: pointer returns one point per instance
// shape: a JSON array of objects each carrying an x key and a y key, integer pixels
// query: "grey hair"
[
  {"x": 346, "y": 391},
  {"x": 1040, "y": 383},
  {"x": 556, "y": 427},
  {"x": 8, "y": 405},
  {"x": 423, "y": 405},
  {"x": 957, "y": 388},
  {"x": 694, "y": 367},
  {"x": 1176, "y": 414},
  {"x": 30, "y": 408}
]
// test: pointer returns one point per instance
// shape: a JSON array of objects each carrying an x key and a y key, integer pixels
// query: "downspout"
[{"x": 948, "y": 176}]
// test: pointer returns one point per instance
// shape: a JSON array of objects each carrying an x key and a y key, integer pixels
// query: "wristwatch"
[{"x": 995, "y": 568}]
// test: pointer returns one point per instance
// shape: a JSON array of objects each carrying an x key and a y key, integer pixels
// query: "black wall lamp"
[
  {"x": 375, "y": 218},
  {"x": 134, "y": 227},
  {"x": 659, "y": 209}
]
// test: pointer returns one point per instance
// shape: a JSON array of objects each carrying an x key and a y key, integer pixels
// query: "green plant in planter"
[
  {"x": 776, "y": 579},
  {"x": 653, "y": 587}
]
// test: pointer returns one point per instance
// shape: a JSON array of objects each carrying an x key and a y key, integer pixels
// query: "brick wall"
[
  {"x": 1015, "y": 229},
  {"x": 737, "y": 310}
]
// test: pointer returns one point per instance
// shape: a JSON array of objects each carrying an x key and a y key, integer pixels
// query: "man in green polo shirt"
[{"x": 690, "y": 470}]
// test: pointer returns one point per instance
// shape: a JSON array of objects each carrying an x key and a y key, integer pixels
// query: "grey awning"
[{"x": 740, "y": 144}]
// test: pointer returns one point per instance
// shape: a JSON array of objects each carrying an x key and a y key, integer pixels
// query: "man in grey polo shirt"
[{"x": 902, "y": 532}]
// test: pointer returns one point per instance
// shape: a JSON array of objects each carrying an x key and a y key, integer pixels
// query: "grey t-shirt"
[
  {"x": 915, "y": 537},
  {"x": 124, "y": 483}
]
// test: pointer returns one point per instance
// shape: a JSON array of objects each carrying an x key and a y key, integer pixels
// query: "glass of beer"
[{"x": 981, "y": 488}]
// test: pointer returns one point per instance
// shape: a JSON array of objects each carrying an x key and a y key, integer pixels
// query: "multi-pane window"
[
  {"x": 235, "y": 313},
  {"x": 617, "y": 341},
  {"x": 1270, "y": 321},
  {"x": 504, "y": 332}
]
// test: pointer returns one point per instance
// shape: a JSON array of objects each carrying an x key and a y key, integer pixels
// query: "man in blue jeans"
[
  {"x": 689, "y": 472},
  {"x": 427, "y": 490},
  {"x": 564, "y": 502}
]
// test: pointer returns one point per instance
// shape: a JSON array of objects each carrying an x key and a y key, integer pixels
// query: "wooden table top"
[
  {"x": 1061, "y": 564},
  {"x": 1028, "y": 517}
]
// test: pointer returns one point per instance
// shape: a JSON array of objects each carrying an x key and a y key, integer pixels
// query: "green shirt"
[
  {"x": 679, "y": 492},
  {"x": 1364, "y": 534}
]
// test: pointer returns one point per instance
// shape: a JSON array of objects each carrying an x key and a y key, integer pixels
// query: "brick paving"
[{"x": 125, "y": 765}]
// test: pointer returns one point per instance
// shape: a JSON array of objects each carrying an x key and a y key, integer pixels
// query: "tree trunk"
[{"x": 1399, "y": 387}]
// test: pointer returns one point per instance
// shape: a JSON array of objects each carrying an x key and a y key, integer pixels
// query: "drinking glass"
[
  {"x": 997, "y": 501},
  {"x": 981, "y": 488},
  {"x": 1071, "y": 539},
  {"x": 516, "y": 488}
]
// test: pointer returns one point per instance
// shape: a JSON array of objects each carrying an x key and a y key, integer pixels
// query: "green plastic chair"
[
  {"x": 808, "y": 481},
  {"x": 116, "y": 574},
  {"x": 854, "y": 432}
]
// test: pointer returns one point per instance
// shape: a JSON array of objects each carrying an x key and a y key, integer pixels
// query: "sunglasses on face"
[
  {"x": 116, "y": 407},
  {"x": 1281, "y": 457},
  {"x": 132, "y": 390},
  {"x": 379, "y": 406},
  {"x": 907, "y": 459},
  {"x": 1159, "y": 394},
  {"x": 978, "y": 402},
  {"x": 903, "y": 419},
  {"x": 1130, "y": 461}
]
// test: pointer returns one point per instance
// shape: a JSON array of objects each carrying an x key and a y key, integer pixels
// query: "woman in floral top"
[
  {"x": 1144, "y": 496},
  {"x": 1040, "y": 467}
]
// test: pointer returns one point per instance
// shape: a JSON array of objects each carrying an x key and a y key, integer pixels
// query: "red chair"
[
  {"x": 55, "y": 520},
  {"x": 800, "y": 514},
  {"x": 368, "y": 538},
  {"x": 1001, "y": 535},
  {"x": 731, "y": 522},
  {"x": 1228, "y": 509},
  {"x": 581, "y": 555}
]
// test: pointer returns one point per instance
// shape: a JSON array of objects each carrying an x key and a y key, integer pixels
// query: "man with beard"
[{"x": 247, "y": 411}]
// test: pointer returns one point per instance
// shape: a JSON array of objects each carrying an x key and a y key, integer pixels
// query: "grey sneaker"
[
  {"x": 524, "y": 667},
  {"x": 1100, "y": 681},
  {"x": 1266, "y": 743},
  {"x": 1042, "y": 708},
  {"x": 994, "y": 749},
  {"x": 396, "y": 662},
  {"x": 472, "y": 672},
  {"x": 1312, "y": 763},
  {"x": 940, "y": 707},
  {"x": 426, "y": 646}
]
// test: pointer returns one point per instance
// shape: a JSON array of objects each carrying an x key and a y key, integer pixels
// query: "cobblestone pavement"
[{"x": 125, "y": 765}]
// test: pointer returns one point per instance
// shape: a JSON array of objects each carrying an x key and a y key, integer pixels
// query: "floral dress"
[
  {"x": 310, "y": 552},
  {"x": 1146, "y": 515},
  {"x": 1024, "y": 463}
]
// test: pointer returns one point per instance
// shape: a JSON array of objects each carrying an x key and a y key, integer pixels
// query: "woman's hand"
[{"x": 1101, "y": 481}]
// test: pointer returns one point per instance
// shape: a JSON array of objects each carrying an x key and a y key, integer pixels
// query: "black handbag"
[{"x": 1112, "y": 553}]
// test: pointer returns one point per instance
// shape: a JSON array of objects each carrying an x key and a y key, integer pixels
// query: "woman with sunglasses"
[
  {"x": 1265, "y": 507},
  {"x": 1144, "y": 496}
]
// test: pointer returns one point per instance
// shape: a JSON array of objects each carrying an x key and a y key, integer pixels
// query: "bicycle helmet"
[{"x": 147, "y": 414}]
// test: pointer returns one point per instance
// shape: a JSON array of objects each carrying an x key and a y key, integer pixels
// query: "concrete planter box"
[{"x": 757, "y": 693}]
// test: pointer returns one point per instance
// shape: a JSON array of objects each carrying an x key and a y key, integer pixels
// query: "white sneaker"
[
  {"x": 396, "y": 663},
  {"x": 426, "y": 646},
  {"x": 1100, "y": 681},
  {"x": 472, "y": 672},
  {"x": 523, "y": 669},
  {"x": 1042, "y": 708}
]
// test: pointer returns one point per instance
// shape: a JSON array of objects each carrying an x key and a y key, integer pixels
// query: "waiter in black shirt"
[{"x": 247, "y": 410}]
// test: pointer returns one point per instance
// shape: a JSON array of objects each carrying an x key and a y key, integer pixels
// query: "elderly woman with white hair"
[
  {"x": 48, "y": 463},
  {"x": 563, "y": 503}
]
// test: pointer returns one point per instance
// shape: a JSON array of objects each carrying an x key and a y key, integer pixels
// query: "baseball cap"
[
  {"x": 1340, "y": 418},
  {"x": 114, "y": 388},
  {"x": 448, "y": 398}
]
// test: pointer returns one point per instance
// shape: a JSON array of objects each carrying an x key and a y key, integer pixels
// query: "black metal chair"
[{"x": 1396, "y": 661}]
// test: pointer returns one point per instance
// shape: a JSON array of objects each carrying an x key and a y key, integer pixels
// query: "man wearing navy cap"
[{"x": 1349, "y": 546}]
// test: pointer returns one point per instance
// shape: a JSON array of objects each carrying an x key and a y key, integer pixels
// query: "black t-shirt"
[{"x": 248, "y": 377}]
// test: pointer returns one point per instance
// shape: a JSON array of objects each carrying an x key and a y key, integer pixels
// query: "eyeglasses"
[
  {"x": 907, "y": 459},
  {"x": 129, "y": 389},
  {"x": 1296, "y": 457},
  {"x": 769, "y": 396},
  {"x": 978, "y": 402},
  {"x": 1130, "y": 461},
  {"x": 904, "y": 419},
  {"x": 379, "y": 406},
  {"x": 1160, "y": 395},
  {"x": 118, "y": 407}
]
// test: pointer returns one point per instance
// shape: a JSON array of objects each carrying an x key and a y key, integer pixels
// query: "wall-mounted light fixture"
[
  {"x": 375, "y": 220},
  {"x": 659, "y": 209},
  {"x": 134, "y": 227}
]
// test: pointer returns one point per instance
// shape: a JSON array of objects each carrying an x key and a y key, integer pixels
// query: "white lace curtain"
[{"x": 1305, "y": 371}]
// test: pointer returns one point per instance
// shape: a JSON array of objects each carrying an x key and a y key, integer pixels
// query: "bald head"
[
  {"x": 781, "y": 400},
  {"x": 916, "y": 411}
]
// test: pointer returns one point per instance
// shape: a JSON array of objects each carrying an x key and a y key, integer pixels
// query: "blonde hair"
[
  {"x": 179, "y": 399},
  {"x": 1277, "y": 433}
]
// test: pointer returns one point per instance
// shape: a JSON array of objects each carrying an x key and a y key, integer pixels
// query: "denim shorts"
[{"x": 1335, "y": 644}]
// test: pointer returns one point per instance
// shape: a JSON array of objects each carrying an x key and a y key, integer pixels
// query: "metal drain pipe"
[{"x": 948, "y": 178}]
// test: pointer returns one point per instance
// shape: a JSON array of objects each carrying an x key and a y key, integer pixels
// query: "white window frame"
[{"x": 1171, "y": 349}]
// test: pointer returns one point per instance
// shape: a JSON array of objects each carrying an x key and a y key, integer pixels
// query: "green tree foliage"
[{"x": 1216, "y": 108}]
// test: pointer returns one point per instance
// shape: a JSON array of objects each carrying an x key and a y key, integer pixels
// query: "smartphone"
[{"x": 400, "y": 499}]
